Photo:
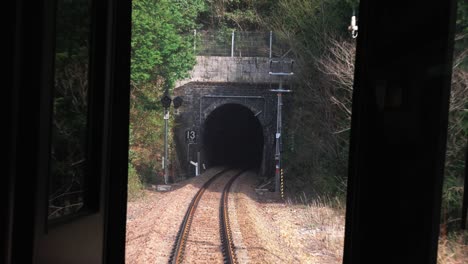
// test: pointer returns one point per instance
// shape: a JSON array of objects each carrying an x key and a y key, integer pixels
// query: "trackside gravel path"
[{"x": 264, "y": 229}]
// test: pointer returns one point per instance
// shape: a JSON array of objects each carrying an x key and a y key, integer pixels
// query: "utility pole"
[
  {"x": 166, "y": 132},
  {"x": 281, "y": 73}
]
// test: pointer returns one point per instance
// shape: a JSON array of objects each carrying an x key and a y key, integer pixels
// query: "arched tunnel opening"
[{"x": 233, "y": 137}]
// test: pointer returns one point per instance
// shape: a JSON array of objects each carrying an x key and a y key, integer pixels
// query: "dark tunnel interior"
[{"x": 233, "y": 137}]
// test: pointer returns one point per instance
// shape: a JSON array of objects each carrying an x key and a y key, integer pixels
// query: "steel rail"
[
  {"x": 177, "y": 253},
  {"x": 227, "y": 242}
]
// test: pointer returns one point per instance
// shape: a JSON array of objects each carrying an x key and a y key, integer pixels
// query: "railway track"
[{"x": 204, "y": 235}]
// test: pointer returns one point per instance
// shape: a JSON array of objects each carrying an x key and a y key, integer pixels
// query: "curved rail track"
[{"x": 227, "y": 246}]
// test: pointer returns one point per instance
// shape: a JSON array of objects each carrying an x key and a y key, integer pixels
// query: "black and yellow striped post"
[{"x": 282, "y": 184}]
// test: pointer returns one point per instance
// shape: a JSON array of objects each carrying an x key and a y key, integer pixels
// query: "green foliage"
[
  {"x": 320, "y": 119},
  {"x": 309, "y": 24},
  {"x": 162, "y": 46},
  {"x": 452, "y": 197},
  {"x": 162, "y": 53},
  {"x": 457, "y": 133},
  {"x": 242, "y": 15},
  {"x": 135, "y": 185},
  {"x": 146, "y": 144},
  {"x": 461, "y": 34},
  {"x": 70, "y": 108},
  {"x": 72, "y": 27},
  {"x": 462, "y": 17}
]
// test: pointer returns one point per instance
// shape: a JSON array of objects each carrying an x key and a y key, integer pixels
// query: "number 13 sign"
[{"x": 191, "y": 135}]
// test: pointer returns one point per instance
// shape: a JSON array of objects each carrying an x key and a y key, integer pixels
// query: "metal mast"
[
  {"x": 281, "y": 73},
  {"x": 166, "y": 102}
]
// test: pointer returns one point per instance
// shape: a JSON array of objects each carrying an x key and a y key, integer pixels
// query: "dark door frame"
[
  {"x": 399, "y": 130},
  {"x": 23, "y": 226},
  {"x": 402, "y": 85}
]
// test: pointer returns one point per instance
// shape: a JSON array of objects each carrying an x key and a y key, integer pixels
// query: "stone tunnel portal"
[{"x": 233, "y": 136}]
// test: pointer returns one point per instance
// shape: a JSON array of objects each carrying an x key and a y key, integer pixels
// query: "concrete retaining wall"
[{"x": 249, "y": 70}]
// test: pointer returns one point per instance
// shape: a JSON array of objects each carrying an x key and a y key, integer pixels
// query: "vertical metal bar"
[
  {"x": 232, "y": 44},
  {"x": 271, "y": 42},
  {"x": 197, "y": 172},
  {"x": 166, "y": 163},
  {"x": 189, "y": 160},
  {"x": 277, "y": 138}
]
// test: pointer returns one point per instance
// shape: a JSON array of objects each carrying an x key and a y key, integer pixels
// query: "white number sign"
[{"x": 191, "y": 135}]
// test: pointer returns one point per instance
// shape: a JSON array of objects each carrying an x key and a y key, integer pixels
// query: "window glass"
[{"x": 67, "y": 186}]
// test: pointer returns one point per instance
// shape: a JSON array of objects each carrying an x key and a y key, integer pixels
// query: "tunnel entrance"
[{"x": 233, "y": 136}]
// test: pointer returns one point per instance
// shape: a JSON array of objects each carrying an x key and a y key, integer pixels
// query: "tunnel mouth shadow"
[{"x": 233, "y": 137}]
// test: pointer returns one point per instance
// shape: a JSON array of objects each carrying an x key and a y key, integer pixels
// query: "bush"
[{"x": 135, "y": 187}]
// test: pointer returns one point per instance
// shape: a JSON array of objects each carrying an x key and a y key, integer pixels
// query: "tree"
[
  {"x": 242, "y": 15},
  {"x": 457, "y": 133},
  {"x": 162, "y": 52},
  {"x": 162, "y": 41},
  {"x": 318, "y": 125},
  {"x": 70, "y": 114}
]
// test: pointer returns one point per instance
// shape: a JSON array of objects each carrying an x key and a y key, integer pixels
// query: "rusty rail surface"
[
  {"x": 229, "y": 252},
  {"x": 177, "y": 253}
]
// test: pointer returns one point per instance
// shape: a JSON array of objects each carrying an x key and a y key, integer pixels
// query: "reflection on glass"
[
  {"x": 453, "y": 241},
  {"x": 67, "y": 187}
]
